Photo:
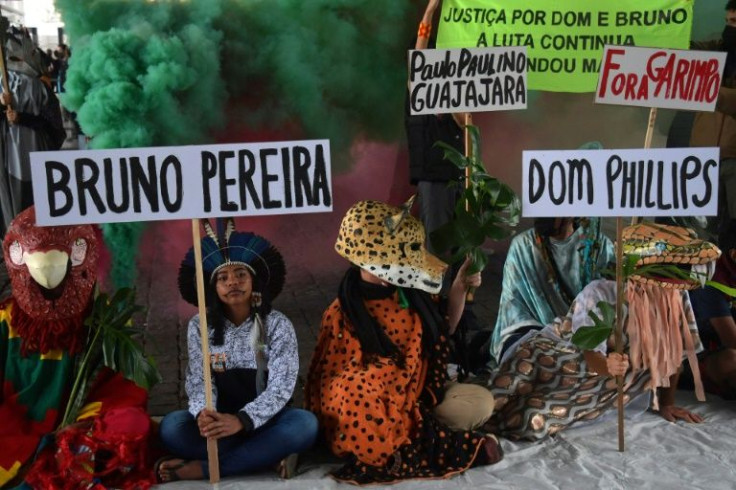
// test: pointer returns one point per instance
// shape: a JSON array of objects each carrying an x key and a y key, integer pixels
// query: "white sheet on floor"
[{"x": 658, "y": 455}]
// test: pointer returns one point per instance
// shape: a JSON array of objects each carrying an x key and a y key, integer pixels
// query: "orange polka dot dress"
[{"x": 377, "y": 413}]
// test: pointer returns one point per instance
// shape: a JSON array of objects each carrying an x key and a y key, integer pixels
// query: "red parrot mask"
[{"x": 52, "y": 271}]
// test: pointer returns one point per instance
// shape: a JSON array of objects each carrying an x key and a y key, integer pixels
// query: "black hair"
[
  {"x": 545, "y": 227},
  {"x": 731, "y": 5},
  {"x": 215, "y": 313}
]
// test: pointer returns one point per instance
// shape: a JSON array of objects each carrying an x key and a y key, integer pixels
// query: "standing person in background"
[
  {"x": 428, "y": 169},
  {"x": 62, "y": 56},
  {"x": 32, "y": 122},
  {"x": 439, "y": 184},
  {"x": 718, "y": 128}
]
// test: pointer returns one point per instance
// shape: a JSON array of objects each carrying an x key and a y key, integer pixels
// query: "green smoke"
[
  {"x": 153, "y": 73},
  {"x": 337, "y": 66},
  {"x": 142, "y": 74},
  {"x": 709, "y": 18}
]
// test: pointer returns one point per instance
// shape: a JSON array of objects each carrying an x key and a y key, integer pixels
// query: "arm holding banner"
[
  {"x": 425, "y": 26},
  {"x": 612, "y": 364},
  {"x": 462, "y": 283},
  {"x": 6, "y": 99}
]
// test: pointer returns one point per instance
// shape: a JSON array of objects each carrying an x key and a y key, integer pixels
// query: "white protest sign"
[
  {"x": 181, "y": 182},
  {"x": 663, "y": 78},
  {"x": 632, "y": 182},
  {"x": 444, "y": 81}
]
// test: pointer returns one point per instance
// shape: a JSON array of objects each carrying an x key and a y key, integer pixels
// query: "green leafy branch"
[
  {"x": 729, "y": 291},
  {"x": 589, "y": 337},
  {"x": 487, "y": 208},
  {"x": 112, "y": 343}
]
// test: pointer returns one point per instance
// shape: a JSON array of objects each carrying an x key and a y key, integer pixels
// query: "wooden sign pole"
[
  {"x": 468, "y": 149},
  {"x": 4, "y": 24},
  {"x": 212, "y": 457},
  {"x": 620, "y": 289},
  {"x": 470, "y": 295},
  {"x": 619, "y": 326},
  {"x": 648, "y": 142}
]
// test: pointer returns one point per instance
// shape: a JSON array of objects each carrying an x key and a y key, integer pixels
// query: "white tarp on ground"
[{"x": 659, "y": 455}]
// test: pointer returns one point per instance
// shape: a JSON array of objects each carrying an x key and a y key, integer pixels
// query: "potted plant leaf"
[
  {"x": 112, "y": 343},
  {"x": 487, "y": 208}
]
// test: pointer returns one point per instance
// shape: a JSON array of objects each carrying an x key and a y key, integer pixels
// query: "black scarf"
[{"x": 373, "y": 340}]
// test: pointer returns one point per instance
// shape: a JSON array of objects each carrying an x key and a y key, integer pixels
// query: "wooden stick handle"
[
  {"x": 3, "y": 67},
  {"x": 468, "y": 149},
  {"x": 650, "y": 127},
  {"x": 470, "y": 295},
  {"x": 619, "y": 326},
  {"x": 4, "y": 70},
  {"x": 648, "y": 142},
  {"x": 212, "y": 456}
]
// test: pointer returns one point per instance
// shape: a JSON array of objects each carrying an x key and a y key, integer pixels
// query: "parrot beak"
[{"x": 47, "y": 268}]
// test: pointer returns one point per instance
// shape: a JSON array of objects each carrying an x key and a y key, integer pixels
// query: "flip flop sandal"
[
  {"x": 287, "y": 466},
  {"x": 170, "y": 470}
]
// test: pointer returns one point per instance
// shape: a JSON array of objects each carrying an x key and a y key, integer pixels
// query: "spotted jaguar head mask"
[{"x": 388, "y": 242}]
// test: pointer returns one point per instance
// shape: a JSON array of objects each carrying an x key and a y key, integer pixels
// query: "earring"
[{"x": 256, "y": 299}]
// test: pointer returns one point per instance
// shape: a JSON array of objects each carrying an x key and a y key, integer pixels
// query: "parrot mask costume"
[{"x": 43, "y": 336}]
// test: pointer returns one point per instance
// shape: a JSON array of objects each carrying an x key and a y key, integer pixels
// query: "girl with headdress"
[{"x": 254, "y": 365}]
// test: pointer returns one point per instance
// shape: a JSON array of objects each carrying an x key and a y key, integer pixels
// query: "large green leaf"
[
  {"x": 121, "y": 350},
  {"x": 112, "y": 343},
  {"x": 454, "y": 156},
  {"x": 629, "y": 265},
  {"x": 722, "y": 288},
  {"x": 496, "y": 232},
  {"x": 589, "y": 337},
  {"x": 486, "y": 206},
  {"x": 464, "y": 230}
]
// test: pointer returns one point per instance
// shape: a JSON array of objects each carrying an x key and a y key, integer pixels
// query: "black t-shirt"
[
  {"x": 427, "y": 162},
  {"x": 709, "y": 303}
]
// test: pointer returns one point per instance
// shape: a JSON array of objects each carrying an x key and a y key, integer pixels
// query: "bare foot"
[{"x": 179, "y": 469}]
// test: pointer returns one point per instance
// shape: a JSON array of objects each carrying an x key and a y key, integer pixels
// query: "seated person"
[
  {"x": 254, "y": 362},
  {"x": 378, "y": 378},
  {"x": 548, "y": 383},
  {"x": 715, "y": 313},
  {"x": 546, "y": 267}
]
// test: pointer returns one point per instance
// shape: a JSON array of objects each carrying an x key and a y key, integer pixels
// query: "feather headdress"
[{"x": 225, "y": 246}]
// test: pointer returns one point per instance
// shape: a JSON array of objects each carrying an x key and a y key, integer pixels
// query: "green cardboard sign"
[{"x": 565, "y": 44}]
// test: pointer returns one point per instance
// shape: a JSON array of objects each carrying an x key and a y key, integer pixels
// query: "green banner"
[{"x": 565, "y": 45}]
